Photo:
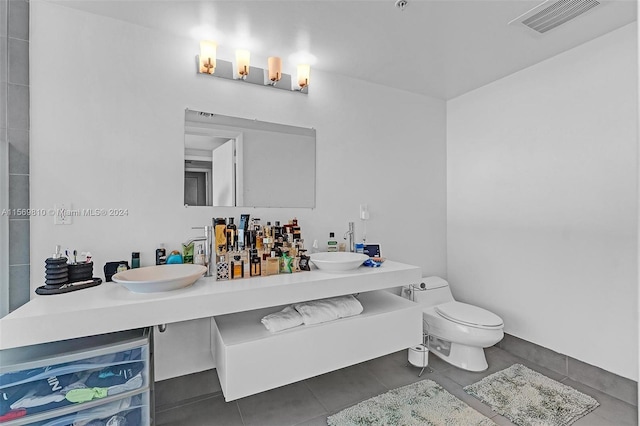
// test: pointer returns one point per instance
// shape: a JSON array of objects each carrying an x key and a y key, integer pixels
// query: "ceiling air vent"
[{"x": 553, "y": 13}]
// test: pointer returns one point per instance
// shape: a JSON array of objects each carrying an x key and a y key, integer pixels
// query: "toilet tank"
[{"x": 431, "y": 291}]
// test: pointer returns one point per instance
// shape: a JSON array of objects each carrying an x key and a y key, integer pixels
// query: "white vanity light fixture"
[
  {"x": 242, "y": 63},
  {"x": 208, "y": 50},
  {"x": 275, "y": 69},
  {"x": 208, "y": 63}
]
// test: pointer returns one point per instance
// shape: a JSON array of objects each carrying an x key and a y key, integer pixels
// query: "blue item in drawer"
[
  {"x": 31, "y": 375},
  {"x": 114, "y": 375},
  {"x": 133, "y": 418},
  {"x": 40, "y": 388}
]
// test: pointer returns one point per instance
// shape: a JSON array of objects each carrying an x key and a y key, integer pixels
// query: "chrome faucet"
[
  {"x": 208, "y": 253},
  {"x": 351, "y": 234}
]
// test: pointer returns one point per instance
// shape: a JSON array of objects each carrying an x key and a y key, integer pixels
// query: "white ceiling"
[{"x": 441, "y": 48}]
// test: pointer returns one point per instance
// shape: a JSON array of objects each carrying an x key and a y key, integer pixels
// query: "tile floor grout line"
[
  {"x": 326, "y": 410},
  {"x": 384, "y": 385},
  {"x": 183, "y": 403},
  {"x": 240, "y": 412}
]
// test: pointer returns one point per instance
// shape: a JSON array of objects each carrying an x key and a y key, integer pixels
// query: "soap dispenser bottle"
[
  {"x": 199, "y": 258},
  {"x": 332, "y": 244}
]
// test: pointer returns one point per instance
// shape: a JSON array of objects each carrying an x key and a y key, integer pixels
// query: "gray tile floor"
[{"x": 310, "y": 401}]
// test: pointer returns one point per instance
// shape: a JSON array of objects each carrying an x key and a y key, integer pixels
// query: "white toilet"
[{"x": 458, "y": 332}]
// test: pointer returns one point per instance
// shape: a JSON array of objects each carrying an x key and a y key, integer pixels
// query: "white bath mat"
[
  {"x": 421, "y": 403},
  {"x": 527, "y": 397}
]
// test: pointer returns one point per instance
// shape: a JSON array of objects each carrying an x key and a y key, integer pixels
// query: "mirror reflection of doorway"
[
  {"x": 209, "y": 155},
  {"x": 198, "y": 167},
  {"x": 195, "y": 188}
]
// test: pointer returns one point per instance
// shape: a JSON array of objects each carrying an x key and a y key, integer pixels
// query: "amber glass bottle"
[
  {"x": 237, "y": 267},
  {"x": 221, "y": 235}
]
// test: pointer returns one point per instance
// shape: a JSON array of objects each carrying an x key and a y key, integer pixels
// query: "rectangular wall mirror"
[{"x": 232, "y": 161}]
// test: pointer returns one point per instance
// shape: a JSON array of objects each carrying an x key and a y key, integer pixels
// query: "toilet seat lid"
[{"x": 469, "y": 315}]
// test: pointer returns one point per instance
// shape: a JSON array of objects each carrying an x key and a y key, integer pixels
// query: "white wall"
[
  {"x": 107, "y": 122},
  {"x": 541, "y": 198}
]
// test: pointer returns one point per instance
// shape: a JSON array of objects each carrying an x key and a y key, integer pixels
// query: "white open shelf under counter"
[{"x": 250, "y": 359}]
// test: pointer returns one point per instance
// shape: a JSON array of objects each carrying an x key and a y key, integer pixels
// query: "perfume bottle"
[
  {"x": 267, "y": 246},
  {"x": 259, "y": 241},
  {"x": 273, "y": 265},
  {"x": 161, "y": 255},
  {"x": 286, "y": 263},
  {"x": 243, "y": 230},
  {"x": 287, "y": 228},
  {"x": 304, "y": 261},
  {"x": 222, "y": 268},
  {"x": 297, "y": 233},
  {"x": 237, "y": 267},
  {"x": 263, "y": 263},
  {"x": 255, "y": 268},
  {"x": 135, "y": 259},
  {"x": 277, "y": 231},
  {"x": 221, "y": 235},
  {"x": 231, "y": 235}
]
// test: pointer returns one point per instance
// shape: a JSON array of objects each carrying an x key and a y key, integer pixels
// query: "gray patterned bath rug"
[
  {"x": 527, "y": 397},
  {"x": 422, "y": 403}
]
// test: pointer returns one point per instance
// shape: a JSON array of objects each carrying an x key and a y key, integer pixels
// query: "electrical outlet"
[
  {"x": 62, "y": 215},
  {"x": 364, "y": 212}
]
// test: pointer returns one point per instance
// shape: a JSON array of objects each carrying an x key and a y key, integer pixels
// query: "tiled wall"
[
  {"x": 609, "y": 383},
  {"x": 15, "y": 129}
]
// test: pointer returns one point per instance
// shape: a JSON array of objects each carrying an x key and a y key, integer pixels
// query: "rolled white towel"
[
  {"x": 323, "y": 310},
  {"x": 286, "y": 318}
]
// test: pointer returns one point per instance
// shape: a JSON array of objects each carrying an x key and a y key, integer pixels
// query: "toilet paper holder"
[{"x": 419, "y": 355}]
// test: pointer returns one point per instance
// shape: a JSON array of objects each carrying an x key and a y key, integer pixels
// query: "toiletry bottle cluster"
[
  {"x": 250, "y": 248},
  {"x": 174, "y": 257}
]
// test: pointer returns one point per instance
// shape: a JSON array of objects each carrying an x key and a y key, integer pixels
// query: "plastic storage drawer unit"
[{"x": 92, "y": 380}]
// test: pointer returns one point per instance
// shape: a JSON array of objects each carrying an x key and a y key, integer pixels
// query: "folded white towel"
[
  {"x": 286, "y": 318},
  {"x": 323, "y": 310}
]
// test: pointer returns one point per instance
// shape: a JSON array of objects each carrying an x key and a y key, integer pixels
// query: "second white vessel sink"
[
  {"x": 153, "y": 279},
  {"x": 338, "y": 261}
]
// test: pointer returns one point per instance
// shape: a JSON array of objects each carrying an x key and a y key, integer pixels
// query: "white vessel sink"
[
  {"x": 338, "y": 261},
  {"x": 152, "y": 279}
]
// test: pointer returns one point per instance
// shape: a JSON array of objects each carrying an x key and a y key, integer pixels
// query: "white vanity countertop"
[{"x": 110, "y": 307}]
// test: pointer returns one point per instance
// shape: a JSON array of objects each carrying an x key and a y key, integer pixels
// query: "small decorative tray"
[{"x": 66, "y": 288}]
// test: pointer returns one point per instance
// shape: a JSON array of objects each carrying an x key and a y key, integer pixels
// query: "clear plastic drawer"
[
  {"x": 130, "y": 411},
  {"x": 63, "y": 379}
]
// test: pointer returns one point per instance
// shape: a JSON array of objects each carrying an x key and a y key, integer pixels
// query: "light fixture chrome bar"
[{"x": 257, "y": 76}]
